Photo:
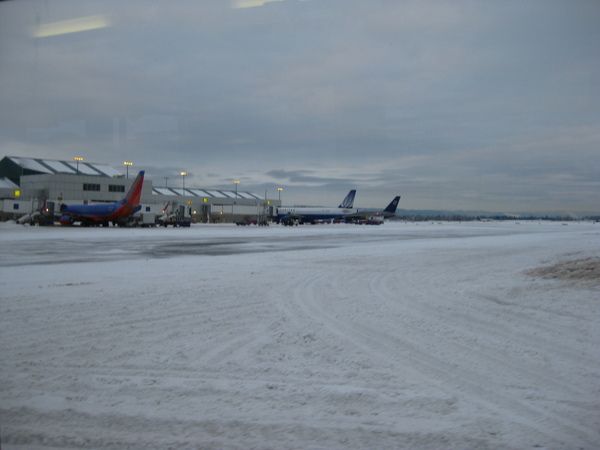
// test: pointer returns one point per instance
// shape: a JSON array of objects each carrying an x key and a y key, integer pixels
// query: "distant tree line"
[
  {"x": 471, "y": 218},
  {"x": 439, "y": 218}
]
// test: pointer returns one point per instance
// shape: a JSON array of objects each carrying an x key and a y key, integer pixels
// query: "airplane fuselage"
[
  {"x": 310, "y": 214},
  {"x": 107, "y": 212},
  {"x": 374, "y": 212}
]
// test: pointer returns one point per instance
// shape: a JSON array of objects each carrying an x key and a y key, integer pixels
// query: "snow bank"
[
  {"x": 398, "y": 336},
  {"x": 579, "y": 270}
]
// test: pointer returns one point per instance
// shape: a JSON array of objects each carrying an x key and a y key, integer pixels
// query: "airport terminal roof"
[
  {"x": 14, "y": 167},
  {"x": 42, "y": 165},
  {"x": 204, "y": 193},
  {"x": 5, "y": 183}
]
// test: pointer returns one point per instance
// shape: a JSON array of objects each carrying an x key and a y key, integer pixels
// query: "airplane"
[
  {"x": 164, "y": 214},
  {"x": 369, "y": 213},
  {"x": 101, "y": 214},
  {"x": 300, "y": 214}
]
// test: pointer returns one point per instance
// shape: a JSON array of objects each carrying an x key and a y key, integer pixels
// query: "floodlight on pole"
[
  {"x": 183, "y": 174},
  {"x": 236, "y": 184},
  {"x": 280, "y": 189},
  {"x": 77, "y": 159},
  {"x": 127, "y": 163}
]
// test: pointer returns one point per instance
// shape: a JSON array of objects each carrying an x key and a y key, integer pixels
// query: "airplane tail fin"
[
  {"x": 391, "y": 208},
  {"x": 135, "y": 192},
  {"x": 349, "y": 200}
]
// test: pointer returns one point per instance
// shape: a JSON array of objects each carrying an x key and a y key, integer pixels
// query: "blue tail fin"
[
  {"x": 349, "y": 200},
  {"x": 391, "y": 208}
]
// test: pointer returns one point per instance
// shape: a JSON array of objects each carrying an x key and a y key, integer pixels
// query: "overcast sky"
[{"x": 491, "y": 105}]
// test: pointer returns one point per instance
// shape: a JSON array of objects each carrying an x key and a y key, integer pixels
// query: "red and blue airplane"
[{"x": 101, "y": 214}]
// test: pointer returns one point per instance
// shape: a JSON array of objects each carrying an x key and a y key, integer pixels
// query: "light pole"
[
  {"x": 235, "y": 183},
  {"x": 78, "y": 159},
  {"x": 280, "y": 189},
  {"x": 166, "y": 179},
  {"x": 183, "y": 174},
  {"x": 128, "y": 164}
]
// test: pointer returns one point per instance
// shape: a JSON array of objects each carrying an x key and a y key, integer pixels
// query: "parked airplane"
[
  {"x": 301, "y": 214},
  {"x": 369, "y": 213},
  {"x": 101, "y": 214}
]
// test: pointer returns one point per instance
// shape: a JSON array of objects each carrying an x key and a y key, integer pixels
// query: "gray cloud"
[{"x": 469, "y": 104}]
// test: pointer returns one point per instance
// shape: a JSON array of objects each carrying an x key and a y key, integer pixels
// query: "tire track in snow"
[
  {"x": 471, "y": 328},
  {"x": 517, "y": 320},
  {"x": 475, "y": 313},
  {"x": 381, "y": 340},
  {"x": 550, "y": 388},
  {"x": 239, "y": 343}
]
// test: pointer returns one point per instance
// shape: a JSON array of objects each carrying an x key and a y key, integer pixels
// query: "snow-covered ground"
[{"x": 333, "y": 336}]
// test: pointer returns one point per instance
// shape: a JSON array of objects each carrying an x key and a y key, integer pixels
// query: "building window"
[
  {"x": 15, "y": 206},
  {"x": 148, "y": 209},
  {"x": 116, "y": 188},
  {"x": 91, "y": 187}
]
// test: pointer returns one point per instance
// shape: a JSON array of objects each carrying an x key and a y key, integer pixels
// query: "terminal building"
[{"x": 26, "y": 183}]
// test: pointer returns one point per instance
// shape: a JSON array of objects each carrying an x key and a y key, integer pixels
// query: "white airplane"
[
  {"x": 291, "y": 216},
  {"x": 300, "y": 214}
]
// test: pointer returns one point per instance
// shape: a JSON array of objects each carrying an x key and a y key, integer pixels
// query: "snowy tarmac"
[{"x": 421, "y": 336}]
